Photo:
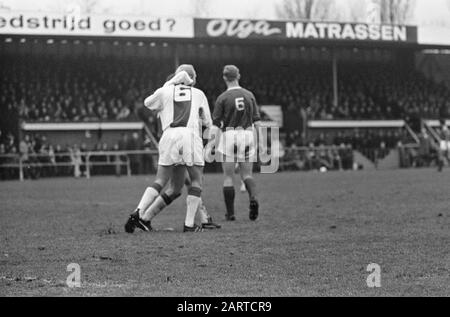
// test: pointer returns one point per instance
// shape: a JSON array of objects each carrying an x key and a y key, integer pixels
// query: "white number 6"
[
  {"x": 182, "y": 94},
  {"x": 240, "y": 104}
]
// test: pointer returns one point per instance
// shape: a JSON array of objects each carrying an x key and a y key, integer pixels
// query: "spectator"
[
  {"x": 135, "y": 159},
  {"x": 123, "y": 143},
  {"x": 424, "y": 154},
  {"x": 3, "y": 160},
  {"x": 118, "y": 160}
]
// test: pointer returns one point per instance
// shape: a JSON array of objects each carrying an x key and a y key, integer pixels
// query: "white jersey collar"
[{"x": 234, "y": 88}]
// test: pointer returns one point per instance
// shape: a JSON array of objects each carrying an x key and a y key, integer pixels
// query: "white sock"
[
  {"x": 193, "y": 203},
  {"x": 202, "y": 213},
  {"x": 147, "y": 199},
  {"x": 156, "y": 207}
]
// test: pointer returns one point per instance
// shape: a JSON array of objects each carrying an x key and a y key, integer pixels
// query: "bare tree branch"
[
  {"x": 308, "y": 7},
  {"x": 82, "y": 6},
  {"x": 305, "y": 9},
  {"x": 358, "y": 11},
  {"x": 90, "y": 6},
  {"x": 201, "y": 8},
  {"x": 291, "y": 9},
  {"x": 4, "y": 7},
  {"x": 322, "y": 10},
  {"x": 396, "y": 11}
]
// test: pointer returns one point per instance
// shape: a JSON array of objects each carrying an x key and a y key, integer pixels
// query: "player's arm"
[
  {"x": 206, "y": 118},
  {"x": 154, "y": 102},
  {"x": 217, "y": 116},
  {"x": 256, "y": 115},
  {"x": 261, "y": 143},
  {"x": 213, "y": 130},
  {"x": 258, "y": 124},
  {"x": 180, "y": 78}
]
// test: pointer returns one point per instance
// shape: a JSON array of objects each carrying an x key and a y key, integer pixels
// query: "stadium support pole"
[
  {"x": 88, "y": 169},
  {"x": 128, "y": 167},
  {"x": 176, "y": 58},
  {"x": 21, "y": 178},
  {"x": 335, "y": 80}
]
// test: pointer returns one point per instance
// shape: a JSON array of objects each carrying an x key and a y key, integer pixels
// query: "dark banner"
[{"x": 294, "y": 30}]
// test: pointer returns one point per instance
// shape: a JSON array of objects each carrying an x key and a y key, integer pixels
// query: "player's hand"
[
  {"x": 262, "y": 152},
  {"x": 182, "y": 78}
]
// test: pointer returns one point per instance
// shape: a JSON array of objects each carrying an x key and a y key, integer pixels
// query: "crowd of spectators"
[
  {"x": 8, "y": 154},
  {"x": 368, "y": 91},
  {"x": 333, "y": 150},
  {"x": 93, "y": 89},
  {"x": 375, "y": 144},
  {"x": 40, "y": 158},
  {"x": 324, "y": 150},
  {"x": 318, "y": 158},
  {"x": 76, "y": 89}
]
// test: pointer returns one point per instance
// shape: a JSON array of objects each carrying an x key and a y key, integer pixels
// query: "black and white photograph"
[{"x": 223, "y": 155}]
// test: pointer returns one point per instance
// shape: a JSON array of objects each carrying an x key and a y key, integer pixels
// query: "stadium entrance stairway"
[
  {"x": 363, "y": 161},
  {"x": 390, "y": 161}
]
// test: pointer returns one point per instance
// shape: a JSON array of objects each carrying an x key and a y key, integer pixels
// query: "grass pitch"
[{"x": 316, "y": 235}]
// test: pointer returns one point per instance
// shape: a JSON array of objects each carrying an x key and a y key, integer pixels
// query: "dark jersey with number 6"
[{"x": 236, "y": 108}]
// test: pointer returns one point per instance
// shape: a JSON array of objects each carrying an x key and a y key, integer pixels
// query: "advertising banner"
[
  {"x": 434, "y": 35},
  {"x": 94, "y": 25},
  {"x": 291, "y": 30},
  {"x": 51, "y": 24}
]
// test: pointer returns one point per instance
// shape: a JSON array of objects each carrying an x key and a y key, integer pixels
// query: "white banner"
[
  {"x": 336, "y": 124},
  {"x": 85, "y": 126},
  {"x": 95, "y": 25},
  {"x": 434, "y": 36},
  {"x": 436, "y": 123}
]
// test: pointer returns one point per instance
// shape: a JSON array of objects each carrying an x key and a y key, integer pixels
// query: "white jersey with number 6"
[
  {"x": 182, "y": 110},
  {"x": 180, "y": 106}
]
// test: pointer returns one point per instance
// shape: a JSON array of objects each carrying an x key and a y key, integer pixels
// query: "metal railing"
[
  {"x": 75, "y": 160},
  {"x": 435, "y": 139}
]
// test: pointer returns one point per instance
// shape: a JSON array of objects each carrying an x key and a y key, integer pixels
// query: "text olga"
[{"x": 240, "y": 28}]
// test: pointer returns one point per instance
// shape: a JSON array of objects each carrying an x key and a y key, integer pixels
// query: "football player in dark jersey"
[{"x": 236, "y": 113}]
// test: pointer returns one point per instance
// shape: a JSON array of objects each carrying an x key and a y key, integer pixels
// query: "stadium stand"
[
  {"x": 48, "y": 90},
  {"x": 111, "y": 88}
]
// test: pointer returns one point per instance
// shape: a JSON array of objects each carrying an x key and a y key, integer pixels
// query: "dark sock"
[
  {"x": 157, "y": 187},
  {"x": 228, "y": 194},
  {"x": 251, "y": 188}
]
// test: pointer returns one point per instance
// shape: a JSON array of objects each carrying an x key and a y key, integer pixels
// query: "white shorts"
[
  {"x": 445, "y": 146},
  {"x": 238, "y": 145},
  {"x": 180, "y": 146}
]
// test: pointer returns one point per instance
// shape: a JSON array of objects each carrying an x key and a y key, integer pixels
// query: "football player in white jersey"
[
  {"x": 181, "y": 109},
  {"x": 203, "y": 216}
]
